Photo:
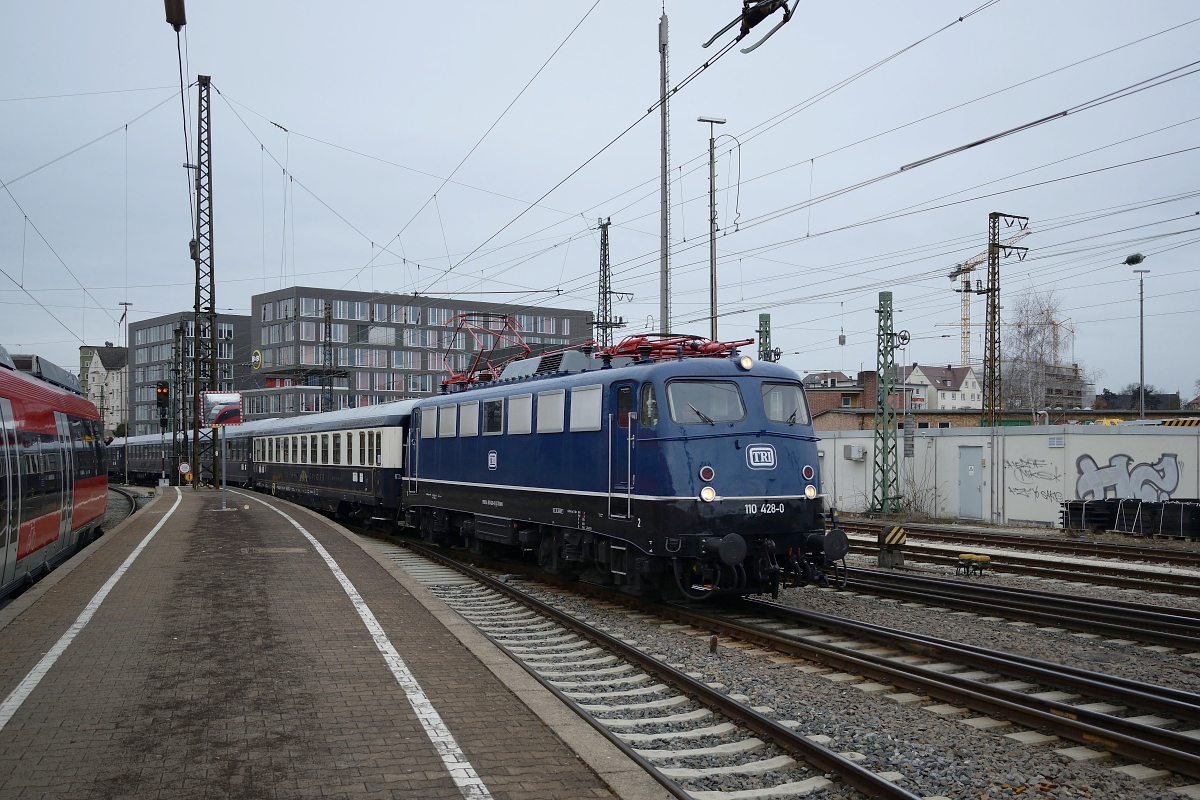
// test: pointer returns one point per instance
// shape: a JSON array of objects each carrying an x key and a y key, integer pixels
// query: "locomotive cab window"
[
  {"x": 784, "y": 402},
  {"x": 704, "y": 402},
  {"x": 649, "y": 407},
  {"x": 493, "y": 417}
]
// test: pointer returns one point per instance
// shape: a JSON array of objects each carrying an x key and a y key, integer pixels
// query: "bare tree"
[{"x": 1033, "y": 346}]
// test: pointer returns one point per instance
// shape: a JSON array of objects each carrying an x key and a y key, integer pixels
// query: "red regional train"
[{"x": 53, "y": 477}]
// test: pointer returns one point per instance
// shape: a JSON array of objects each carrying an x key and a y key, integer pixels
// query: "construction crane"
[{"x": 964, "y": 271}]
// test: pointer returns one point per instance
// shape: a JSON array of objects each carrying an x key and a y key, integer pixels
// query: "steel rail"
[
  {"x": 128, "y": 495},
  {"x": 1175, "y": 630},
  {"x": 849, "y": 772},
  {"x": 1016, "y": 564},
  {"x": 1093, "y": 549}
]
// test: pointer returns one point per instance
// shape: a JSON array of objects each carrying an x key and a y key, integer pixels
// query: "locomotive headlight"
[
  {"x": 708, "y": 494},
  {"x": 746, "y": 362},
  {"x": 810, "y": 492}
]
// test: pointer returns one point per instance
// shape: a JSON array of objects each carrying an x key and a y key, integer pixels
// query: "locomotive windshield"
[
  {"x": 704, "y": 402},
  {"x": 784, "y": 402}
]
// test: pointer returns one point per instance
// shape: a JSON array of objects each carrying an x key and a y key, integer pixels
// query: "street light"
[
  {"x": 712, "y": 221},
  {"x": 1133, "y": 261}
]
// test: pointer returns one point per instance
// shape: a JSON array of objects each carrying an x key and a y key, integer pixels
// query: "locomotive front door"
[
  {"x": 622, "y": 438},
  {"x": 10, "y": 492}
]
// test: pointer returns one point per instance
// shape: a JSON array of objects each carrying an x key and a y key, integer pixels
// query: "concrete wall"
[{"x": 1026, "y": 472}]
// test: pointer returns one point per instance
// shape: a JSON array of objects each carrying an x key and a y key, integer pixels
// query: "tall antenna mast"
[{"x": 664, "y": 269}]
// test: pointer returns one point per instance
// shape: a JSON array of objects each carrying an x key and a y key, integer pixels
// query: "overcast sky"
[{"x": 382, "y": 101}]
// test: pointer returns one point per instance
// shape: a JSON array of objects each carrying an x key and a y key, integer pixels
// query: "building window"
[
  {"x": 845, "y": 401},
  {"x": 943, "y": 424},
  {"x": 406, "y": 359},
  {"x": 225, "y": 350},
  {"x": 311, "y": 307},
  {"x": 308, "y": 331},
  {"x": 225, "y": 330},
  {"x": 142, "y": 354},
  {"x": 287, "y": 308},
  {"x": 379, "y": 335}
]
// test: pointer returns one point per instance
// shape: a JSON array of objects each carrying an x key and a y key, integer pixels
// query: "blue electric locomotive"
[{"x": 695, "y": 476}]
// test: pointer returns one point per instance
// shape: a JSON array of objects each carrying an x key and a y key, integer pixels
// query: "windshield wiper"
[
  {"x": 792, "y": 419},
  {"x": 701, "y": 414}
]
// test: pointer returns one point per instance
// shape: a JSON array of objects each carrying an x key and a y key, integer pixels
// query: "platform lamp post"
[
  {"x": 712, "y": 222},
  {"x": 1133, "y": 261}
]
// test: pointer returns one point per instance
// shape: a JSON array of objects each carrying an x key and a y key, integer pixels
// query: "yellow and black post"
[{"x": 891, "y": 538}]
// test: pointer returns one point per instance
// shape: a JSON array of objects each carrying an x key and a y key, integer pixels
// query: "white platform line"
[
  {"x": 464, "y": 775},
  {"x": 30, "y": 682}
]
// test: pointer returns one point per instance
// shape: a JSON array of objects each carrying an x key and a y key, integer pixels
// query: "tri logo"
[{"x": 760, "y": 456}]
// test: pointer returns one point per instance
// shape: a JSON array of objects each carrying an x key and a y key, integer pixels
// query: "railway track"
[
  {"x": 1082, "y": 548},
  {"x": 129, "y": 496},
  {"x": 1128, "y": 718},
  {"x": 1013, "y": 563},
  {"x": 1133, "y": 622},
  {"x": 674, "y": 725}
]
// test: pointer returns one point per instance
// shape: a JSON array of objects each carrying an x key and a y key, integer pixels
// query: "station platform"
[{"x": 265, "y": 652}]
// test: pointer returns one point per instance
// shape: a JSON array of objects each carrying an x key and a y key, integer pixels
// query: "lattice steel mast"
[
  {"x": 885, "y": 481},
  {"x": 204, "y": 363},
  {"x": 993, "y": 398},
  {"x": 605, "y": 322}
]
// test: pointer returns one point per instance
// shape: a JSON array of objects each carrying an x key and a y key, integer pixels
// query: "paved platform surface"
[{"x": 229, "y": 662}]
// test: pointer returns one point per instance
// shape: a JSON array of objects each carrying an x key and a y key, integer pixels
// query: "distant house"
[
  {"x": 941, "y": 388},
  {"x": 1192, "y": 405},
  {"x": 107, "y": 371},
  {"x": 828, "y": 390}
]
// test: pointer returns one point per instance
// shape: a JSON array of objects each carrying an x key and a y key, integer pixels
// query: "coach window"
[
  {"x": 447, "y": 421},
  {"x": 649, "y": 411},
  {"x": 370, "y": 445},
  {"x": 551, "y": 408},
  {"x": 493, "y": 417},
  {"x": 379, "y": 448},
  {"x": 337, "y": 448},
  {"x": 468, "y": 418},
  {"x": 303, "y": 449},
  {"x": 324, "y": 448},
  {"x": 586, "y": 402},
  {"x": 295, "y": 450},
  {"x": 287, "y": 454},
  {"x": 362, "y": 447},
  {"x": 428, "y": 423},
  {"x": 312, "y": 446}
]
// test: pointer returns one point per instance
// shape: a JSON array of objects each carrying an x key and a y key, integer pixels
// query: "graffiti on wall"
[
  {"x": 1150, "y": 482},
  {"x": 1034, "y": 478}
]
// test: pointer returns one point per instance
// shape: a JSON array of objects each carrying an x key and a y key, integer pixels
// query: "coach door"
[
  {"x": 10, "y": 493},
  {"x": 66, "y": 474},
  {"x": 622, "y": 438}
]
